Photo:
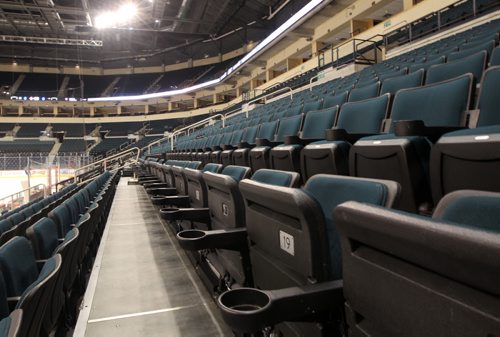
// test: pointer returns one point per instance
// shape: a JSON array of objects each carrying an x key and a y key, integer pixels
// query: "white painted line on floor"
[
  {"x": 138, "y": 314},
  {"x": 188, "y": 271}
]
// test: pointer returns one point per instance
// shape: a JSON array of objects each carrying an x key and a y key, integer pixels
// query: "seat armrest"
[
  {"x": 291, "y": 140},
  {"x": 181, "y": 201},
  {"x": 194, "y": 239},
  {"x": 343, "y": 135},
  {"x": 245, "y": 145},
  {"x": 407, "y": 128},
  {"x": 266, "y": 142},
  {"x": 250, "y": 310},
  {"x": 188, "y": 214}
]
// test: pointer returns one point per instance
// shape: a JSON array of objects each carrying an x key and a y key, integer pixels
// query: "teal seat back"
[
  {"x": 276, "y": 177},
  {"x": 330, "y": 191},
  {"x": 489, "y": 99},
  {"x": 18, "y": 265},
  {"x": 288, "y": 127},
  {"x": 393, "y": 84},
  {"x": 364, "y": 116},
  {"x": 236, "y": 172},
  {"x": 338, "y": 99},
  {"x": 439, "y": 104},
  {"x": 473, "y": 64},
  {"x": 362, "y": 93},
  {"x": 267, "y": 130},
  {"x": 44, "y": 236},
  {"x": 316, "y": 122}
]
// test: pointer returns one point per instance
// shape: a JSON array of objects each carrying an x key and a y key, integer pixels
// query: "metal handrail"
[
  {"x": 175, "y": 133},
  {"x": 104, "y": 160},
  {"x": 273, "y": 93},
  {"x": 44, "y": 189}
]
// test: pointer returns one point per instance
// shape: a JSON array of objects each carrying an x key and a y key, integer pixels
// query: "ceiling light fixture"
[
  {"x": 112, "y": 19},
  {"x": 303, "y": 14}
]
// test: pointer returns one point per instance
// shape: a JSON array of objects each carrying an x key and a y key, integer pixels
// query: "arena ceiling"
[{"x": 55, "y": 32}]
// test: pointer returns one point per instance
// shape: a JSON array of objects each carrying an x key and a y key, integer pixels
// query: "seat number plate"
[
  {"x": 286, "y": 243},
  {"x": 225, "y": 210},
  {"x": 197, "y": 194}
]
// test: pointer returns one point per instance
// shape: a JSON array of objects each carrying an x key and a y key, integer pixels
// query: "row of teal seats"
[{"x": 42, "y": 278}]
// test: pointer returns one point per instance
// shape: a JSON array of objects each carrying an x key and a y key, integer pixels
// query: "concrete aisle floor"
[{"x": 142, "y": 284}]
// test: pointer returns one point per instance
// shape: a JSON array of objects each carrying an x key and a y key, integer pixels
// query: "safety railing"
[
  {"x": 22, "y": 197},
  {"x": 111, "y": 163},
  {"x": 171, "y": 137}
]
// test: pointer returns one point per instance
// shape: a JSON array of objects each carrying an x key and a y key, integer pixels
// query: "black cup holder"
[
  {"x": 191, "y": 234},
  {"x": 169, "y": 213},
  {"x": 250, "y": 310},
  {"x": 244, "y": 300}
]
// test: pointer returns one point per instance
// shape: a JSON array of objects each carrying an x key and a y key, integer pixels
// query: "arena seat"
[
  {"x": 226, "y": 241},
  {"x": 473, "y": 64},
  {"x": 286, "y": 157},
  {"x": 259, "y": 155},
  {"x": 420, "y": 116},
  {"x": 295, "y": 255},
  {"x": 362, "y": 93},
  {"x": 392, "y": 84},
  {"x": 355, "y": 120},
  {"x": 408, "y": 275},
  {"x": 32, "y": 289},
  {"x": 470, "y": 159}
]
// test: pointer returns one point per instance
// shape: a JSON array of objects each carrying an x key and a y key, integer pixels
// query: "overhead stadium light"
[
  {"x": 299, "y": 17},
  {"x": 122, "y": 16}
]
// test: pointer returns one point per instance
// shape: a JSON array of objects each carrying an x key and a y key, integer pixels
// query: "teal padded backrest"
[
  {"x": 250, "y": 134},
  {"x": 226, "y": 139},
  {"x": 235, "y": 172},
  {"x": 275, "y": 177},
  {"x": 312, "y": 106},
  {"x": 473, "y": 64},
  {"x": 267, "y": 130},
  {"x": 74, "y": 209},
  {"x": 472, "y": 209},
  {"x": 16, "y": 218},
  {"x": 495, "y": 57},
  {"x": 236, "y": 138},
  {"x": 28, "y": 212},
  {"x": 193, "y": 164},
  {"x": 51, "y": 265},
  {"x": 439, "y": 104},
  {"x": 18, "y": 265},
  {"x": 214, "y": 168},
  {"x": 384, "y": 76},
  {"x": 47, "y": 237},
  {"x": 471, "y": 50},
  {"x": 331, "y": 101},
  {"x": 362, "y": 93},
  {"x": 4, "y": 307},
  {"x": 330, "y": 191},
  {"x": 294, "y": 110},
  {"x": 288, "y": 127},
  {"x": 316, "y": 122},
  {"x": 364, "y": 116},
  {"x": 62, "y": 214},
  {"x": 427, "y": 65},
  {"x": 393, "y": 84},
  {"x": 5, "y": 225},
  {"x": 489, "y": 98}
]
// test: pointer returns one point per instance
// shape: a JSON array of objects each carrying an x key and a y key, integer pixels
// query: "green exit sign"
[{"x": 387, "y": 24}]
